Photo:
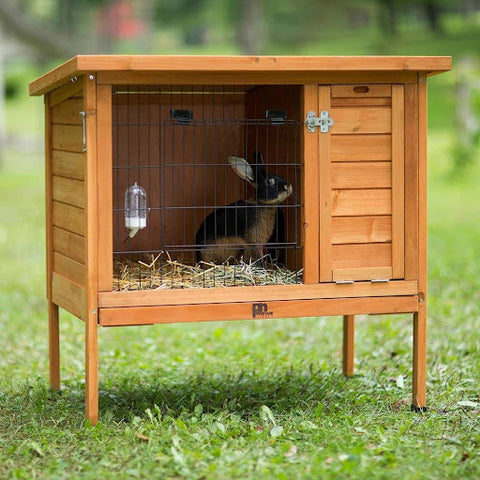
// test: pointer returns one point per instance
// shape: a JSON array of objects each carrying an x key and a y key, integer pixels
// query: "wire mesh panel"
[{"x": 221, "y": 171}]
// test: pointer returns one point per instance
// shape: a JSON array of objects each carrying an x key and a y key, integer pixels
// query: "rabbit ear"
[
  {"x": 242, "y": 168},
  {"x": 259, "y": 167}
]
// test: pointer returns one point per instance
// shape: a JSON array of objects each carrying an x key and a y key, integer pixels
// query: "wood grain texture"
[
  {"x": 324, "y": 139},
  {"x": 362, "y": 255},
  {"x": 361, "y": 120},
  {"x": 419, "y": 377},
  {"x": 375, "y": 66},
  {"x": 358, "y": 148},
  {"x": 68, "y": 295},
  {"x": 366, "y": 273},
  {"x": 311, "y": 188},
  {"x": 348, "y": 345},
  {"x": 67, "y": 137},
  {"x": 105, "y": 192},
  {"x": 411, "y": 182},
  {"x": 367, "y": 229},
  {"x": 70, "y": 191},
  {"x": 361, "y": 175},
  {"x": 91, "y": 239},
  {"x": 69, "y": 244},
  {"x": 244, "y": 311},
  {"x": 69, "y": 218},
  {"x": 361, "y": 202},
  {"x": 255, "y": 294},
  {"x": 398, "y": 181},
  {"x": 361, "y": 91},
  {"x": 68, "y": 111},
  {"x": 68, "y": 268},
  {"x": 68, "y": 164}
]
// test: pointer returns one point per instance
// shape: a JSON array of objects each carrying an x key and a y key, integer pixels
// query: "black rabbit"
[{"x": 243, "y": 228}]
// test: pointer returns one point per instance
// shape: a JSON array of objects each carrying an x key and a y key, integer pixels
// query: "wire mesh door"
[{"x": 219, "y": 168}]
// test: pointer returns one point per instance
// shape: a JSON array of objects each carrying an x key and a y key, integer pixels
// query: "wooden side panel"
[
  {"x": 69, "y": 191},
  {"x": 67, "y": 112},
  {"x": 69, "y": 218},
  {"x": 68, "y": 164},
  {"x": 69, "y": 197},
  {"x": 69, "y": 244},
  {"x": 68, "y": 295},
  {"x": 67, "y": 137},
  {"x": 69, "y": 268}
]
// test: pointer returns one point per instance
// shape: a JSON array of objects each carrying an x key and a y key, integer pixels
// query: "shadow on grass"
[{"x": 123, "y": 398}]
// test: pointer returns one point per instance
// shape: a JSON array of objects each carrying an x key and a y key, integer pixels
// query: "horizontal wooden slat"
[
  {"x": 253, "y": 294},
  {"x": 68, "y": 295},
  {"x": 69, "y": 244},
  {"x": 67, "y": 137},
  {"x": 67, "y": 112},
  {"x": 362, "y": 255},
  {"x": 361, "y": 120},
  {"x": 369, "y": 229},
  {"x": 361, "y": 202},
  {"x": 68, "y": 164},
  {"x": 69, "y": 191},
  {"x": 372, "y": 273},
  {"x": 243, "y": 311},
  {"x": 69, "y": 268},
  {"x": 356, "y": 102},
  {"x": 361, "y": 175},
  {"x": 361, "y": 90},
  {"x": 69, "y": 218},
  {"x": 352, "y": 148}
]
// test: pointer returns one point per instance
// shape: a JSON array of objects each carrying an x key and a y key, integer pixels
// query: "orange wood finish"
[{"x": 362, "y": 187}]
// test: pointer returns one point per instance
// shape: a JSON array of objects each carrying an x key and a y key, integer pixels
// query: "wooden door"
[{"x": 362, "y": 183}]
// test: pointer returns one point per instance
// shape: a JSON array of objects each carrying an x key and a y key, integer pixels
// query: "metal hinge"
[{"x": 324, "y": 122}]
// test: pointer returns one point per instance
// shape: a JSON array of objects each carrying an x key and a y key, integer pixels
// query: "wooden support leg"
[
  {"x": 348, "y": 345},
  {"x": 54, "y": 345},
  {"x": 91, "y": 369},
  {"x": 419, "y": 381}
]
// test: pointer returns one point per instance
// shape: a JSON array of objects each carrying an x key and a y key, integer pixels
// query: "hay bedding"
[{"x": 162, "y": 272}]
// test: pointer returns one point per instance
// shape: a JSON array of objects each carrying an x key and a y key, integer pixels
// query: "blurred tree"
[{"x": 250, "y": 32}]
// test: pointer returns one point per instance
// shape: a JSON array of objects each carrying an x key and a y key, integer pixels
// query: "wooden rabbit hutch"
[{"x": 344, "y": 138}]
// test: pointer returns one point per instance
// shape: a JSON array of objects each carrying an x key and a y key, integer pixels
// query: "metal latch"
[
  {"x": 84, "y": 133},
  {"x": 324, "y": 122}
]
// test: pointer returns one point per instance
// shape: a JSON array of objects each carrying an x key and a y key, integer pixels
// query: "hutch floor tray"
[{"x": 185, "y": 189}]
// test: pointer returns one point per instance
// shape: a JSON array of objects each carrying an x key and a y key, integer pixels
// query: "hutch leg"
[
  {"x": 91, "y": 370},
  {"x": 348, "y": 344},
  {"x": 419, "y": 380},
  {"x": 54, "y": 345}
]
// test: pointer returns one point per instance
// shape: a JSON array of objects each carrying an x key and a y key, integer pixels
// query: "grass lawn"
[
  {"x": 250, "y": 399},
  {"x": 243, "y": 399}
]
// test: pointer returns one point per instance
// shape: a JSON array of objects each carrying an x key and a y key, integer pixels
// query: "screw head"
[{"x": 91, "y": 77}]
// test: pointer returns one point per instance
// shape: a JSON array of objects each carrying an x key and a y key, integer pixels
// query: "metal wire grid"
[{"x": 159, "y": 149}]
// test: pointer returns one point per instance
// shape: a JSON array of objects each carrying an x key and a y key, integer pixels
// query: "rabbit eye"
[{"x": 271, "y": 181}]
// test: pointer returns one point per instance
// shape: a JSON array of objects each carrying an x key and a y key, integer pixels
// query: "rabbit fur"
[{"x": 243, "y": 228}]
